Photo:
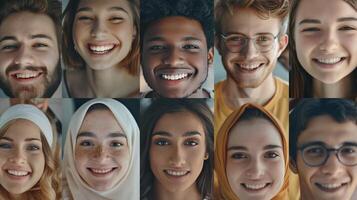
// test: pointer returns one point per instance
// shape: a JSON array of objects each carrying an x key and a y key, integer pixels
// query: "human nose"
[
  {"x": 255, "y": 169},
  {"x": 329, "y": 42},
  {"x": 100, "y": 153},
  {"x": 332, "y": 165},
  {"x": 250, "y": 50},
  {"x": 177, "y": 157},
  {"x": 99, "y": 29},
  {"x": 173, "y": 57},
  {"x": 18, "y": 156},
  {"x": 24, "y": 56}
]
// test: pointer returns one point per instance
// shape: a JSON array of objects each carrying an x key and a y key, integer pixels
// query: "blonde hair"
[{"x": 49, "y": 186}]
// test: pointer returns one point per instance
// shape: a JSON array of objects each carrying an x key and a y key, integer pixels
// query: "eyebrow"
[
  {"x": 160, "y": 38},
  {"x": 114, "y": 8},
  {"x": 343, "y": 19},
  {"x": 27, "y": 139},
  {"x": 272, "y": 146},
  {"x": 8, "y": 38},
  {"x": 36, "y": 36},
  {"x": 309, "y": 21},
  {"x": 167, "y": 134},
  {"x": 91, "y": 134},
  {"x": 237, "y": 148}
]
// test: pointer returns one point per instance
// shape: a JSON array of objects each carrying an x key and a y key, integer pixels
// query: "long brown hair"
[
  {"x": 300, "y": 80},
  {"x": 73, "y": 60}
]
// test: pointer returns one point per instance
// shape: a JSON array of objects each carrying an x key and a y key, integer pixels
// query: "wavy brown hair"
[
  {"x": 301, "y": 82},
  {"x": 49, "y": 186},
  {"x": 73, "y": 60}
]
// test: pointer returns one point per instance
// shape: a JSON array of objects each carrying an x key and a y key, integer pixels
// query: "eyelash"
[{"x": 86, "y": 143}]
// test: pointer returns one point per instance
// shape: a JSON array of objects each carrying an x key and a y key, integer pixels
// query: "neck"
[
  {"x": 17, "y": 196},
  {"x": 236, "y": 96},
  {"x": 340, "y": 89},
  {"x": 162, "y": 194},
  {"x": 108, "y": 82}
]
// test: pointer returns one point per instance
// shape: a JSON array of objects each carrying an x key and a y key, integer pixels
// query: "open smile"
[
  {"x": 330, "y": 187},
  {"x": 99, "y": 172},
  {"x": 255, "y": 187},
  {"x": 173, "y": 73},
  {"x": 25, "y": 75},
  {"x": 176, "y": 173},
  {"x": 249, "y": 68},
  {"x": 329, "y": 62},
  {"x": 101, "y": 49},
  {"x": 18, "y": 174}
]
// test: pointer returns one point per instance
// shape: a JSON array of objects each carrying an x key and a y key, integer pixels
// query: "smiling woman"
[
  {"x": 177, "y": 150},
  {"x": 323, "y": 49},
  {"x": 29, "y": 169},
  {"x": 251, "y": 156},
  {"x": 101, "y": 48},
  {"x": 102, "y": 153}
]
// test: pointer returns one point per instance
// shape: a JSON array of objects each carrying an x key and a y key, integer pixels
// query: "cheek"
[
  {"x": 233, "y": 171},
  {"x": 81, "y": 157}
]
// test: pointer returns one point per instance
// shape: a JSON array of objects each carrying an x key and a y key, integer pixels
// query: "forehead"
[
  {"x": 325, "y": 129},
  {"x": 104, "y": 5},
  {"x": 179, "y": 123},
  {"x": 175, "y": 28},
  {"x": 253, "y": 133},
  {"x": 17, "y": 129},
  {"x": 247, "y": 21},
  {"x": 24, "y": 25},
  {"x": 318, "y": 9},
  {"x": 100, "y": 122}
]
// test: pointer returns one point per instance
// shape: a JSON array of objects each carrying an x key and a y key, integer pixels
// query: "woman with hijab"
[
  {"x": 251, "y": 156},
  {"x": 101, "y": 154},
  {"x": 30, "y": 169}
]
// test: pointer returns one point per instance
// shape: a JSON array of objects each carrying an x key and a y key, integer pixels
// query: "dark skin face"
[{"x": 175, "y": 60}]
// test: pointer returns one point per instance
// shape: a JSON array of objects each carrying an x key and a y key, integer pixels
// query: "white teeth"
[
  {"x": 249, "y": 66},
  {"x": 101, "y": 171},
  {"x": 255, "y": 186},
  {"x": 331, "y": 185},
  {"x": 176, "y": 173},
  {"x": 174, "y": 77},
  {"x": 27, "y": 75},
  {"x": 101, "y": 49},
  {"x": 329, "y": 60},
  {"x": 17, "y": 173}
]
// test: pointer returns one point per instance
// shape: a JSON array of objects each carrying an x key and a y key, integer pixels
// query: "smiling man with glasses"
[
  {"x": 323, "y": 148},
  {"x": 250, "y": 36}
]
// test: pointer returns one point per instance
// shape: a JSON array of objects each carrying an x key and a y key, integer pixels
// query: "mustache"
[{"x": 16, "y": 67}]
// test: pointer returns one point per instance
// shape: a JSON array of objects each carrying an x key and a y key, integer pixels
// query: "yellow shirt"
[{"x": 278, "y": 105}]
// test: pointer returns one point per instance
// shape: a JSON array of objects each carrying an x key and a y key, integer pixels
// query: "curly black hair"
[{"x": 200, "y": 10}]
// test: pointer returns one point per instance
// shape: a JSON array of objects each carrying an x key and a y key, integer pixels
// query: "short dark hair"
[
  {"x": 153, "y": 113},
  {"x": 341, "y": 110},
  {"x": 199, "y": 10}
]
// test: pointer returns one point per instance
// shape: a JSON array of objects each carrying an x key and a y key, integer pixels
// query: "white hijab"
[
  {"x": 129, "y": 187},
  {"x": 31, "y": 113}
]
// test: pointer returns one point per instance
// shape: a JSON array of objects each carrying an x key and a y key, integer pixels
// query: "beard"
[{"x": 43, "y": 88}]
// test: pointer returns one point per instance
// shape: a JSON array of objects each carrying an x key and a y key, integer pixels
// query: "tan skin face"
[
  {"x": 326, "y": 38},
  {"x": 255, "y": 160},
  {"x": 22, "y": 159},
  {"x": 239, "y": 66},
  {"x": 103, "y": 32},
  {"x": 179, "y": 139},
  {"x": 28, "y": 54},
  {"x": 333, "y": 180},
  {"x": 175, "y": 60},
  {"x": 101, "y": 150}
]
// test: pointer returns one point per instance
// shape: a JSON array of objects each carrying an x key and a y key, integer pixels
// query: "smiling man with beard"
[
  {"x": 177, "y": 47},
  {"x": 29, "y": 48}
]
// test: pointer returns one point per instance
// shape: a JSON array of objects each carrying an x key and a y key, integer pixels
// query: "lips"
[
  {"x": 255, "y": 186},
  {"x": 25, "y": 75},
  {"x": 100, "y": 49},
  {"x": 176, "y": 173},
  {"x": 101, "y": 171},
  {"x": 249, "y": 67},
  {"x": 173, "y": 73},
  {"x": 329, "y": 60},
  {"x": 331, "y": 187},
  {"x": 19, "y": 173}
]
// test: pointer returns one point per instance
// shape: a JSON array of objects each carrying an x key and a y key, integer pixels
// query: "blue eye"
[
  {"x": 9, "y": 47},
  {"x": 5, "y": 146},
  {"x": 157, "y": 48}
]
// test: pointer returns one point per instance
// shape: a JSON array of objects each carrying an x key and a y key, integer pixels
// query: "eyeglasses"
[
  {"x": 315, "y": 155},
  {"x": 235, "y": 43}
]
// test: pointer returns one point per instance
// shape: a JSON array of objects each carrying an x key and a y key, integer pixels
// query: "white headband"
[{"x": 31, "y": 113}]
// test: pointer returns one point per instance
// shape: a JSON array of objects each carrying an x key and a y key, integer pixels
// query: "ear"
[
  {"x": 134, "y": 32},
  {"x": 217, "y": 44},
  {"x": 283, "y": 42},
  {"x": 210, "y": 56},
  {"x": 293, "y": 167},
  {"x": 206, "y": 156}
]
